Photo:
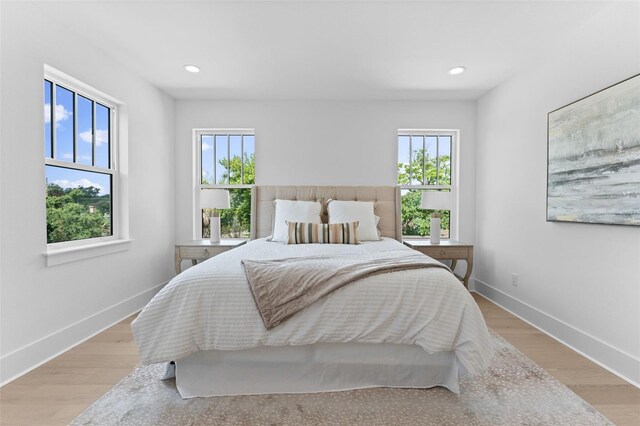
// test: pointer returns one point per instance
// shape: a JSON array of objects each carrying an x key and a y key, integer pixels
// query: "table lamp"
[
  {"x": 435, "y": 200},
  {"x": 214, "y": 199}
]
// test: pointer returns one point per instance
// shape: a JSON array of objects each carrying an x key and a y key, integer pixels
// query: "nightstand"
[
  {"x": 446, "y": 250},
  {"x": 203, "y": 249}
]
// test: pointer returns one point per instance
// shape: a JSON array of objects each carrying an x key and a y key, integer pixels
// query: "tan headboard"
[{"x": 386, "y": 198}]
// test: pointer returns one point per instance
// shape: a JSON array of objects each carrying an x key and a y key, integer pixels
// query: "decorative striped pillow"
[{"x": 323, "y": 233}]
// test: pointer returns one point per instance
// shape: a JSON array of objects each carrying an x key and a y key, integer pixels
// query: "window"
[
  {"x": 80, "y": 162},
  {"x": 226, "y": 159},
  {"x": 426, "y": 162}
]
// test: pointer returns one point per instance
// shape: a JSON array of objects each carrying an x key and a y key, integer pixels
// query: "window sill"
[{"x": 59, "y": 256}]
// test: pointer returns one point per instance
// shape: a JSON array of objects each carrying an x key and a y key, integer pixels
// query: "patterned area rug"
[{"x": 514, "y": 391}]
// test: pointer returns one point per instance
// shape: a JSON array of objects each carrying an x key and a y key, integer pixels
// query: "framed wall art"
[{"x": 593, "y": 158}]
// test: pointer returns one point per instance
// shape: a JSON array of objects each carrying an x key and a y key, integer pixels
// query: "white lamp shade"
[
  {"x": 436, "y": 200},
  {"x": 214, "y": 199}
]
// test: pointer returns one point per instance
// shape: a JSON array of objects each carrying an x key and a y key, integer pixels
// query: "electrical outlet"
[{"x": 514, "y": 280}]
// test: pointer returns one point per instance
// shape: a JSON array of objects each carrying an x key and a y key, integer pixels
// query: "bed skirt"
[{"x": 323, "y": 367}]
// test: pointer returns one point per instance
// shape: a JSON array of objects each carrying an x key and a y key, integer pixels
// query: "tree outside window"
[
  {"x": 424, "y": 163},
  {"x": 228, "y": 161},
  {"x": 80, "y": 167}
]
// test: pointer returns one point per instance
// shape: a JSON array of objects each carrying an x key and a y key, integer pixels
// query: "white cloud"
[
  {"x": 61, "y": 113},
  {"x": 67, "y": 156},
  {"x": 206, "y": 146},
  {"x": 101, "y": 136},
  {"x": 86, "y": 136},
  {"x": 65, "y": 183}
]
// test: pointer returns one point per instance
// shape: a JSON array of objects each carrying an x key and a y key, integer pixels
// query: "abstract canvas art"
[{"x": 593, "y": 169}]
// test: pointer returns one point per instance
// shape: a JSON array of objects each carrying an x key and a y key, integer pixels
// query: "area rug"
[{"x": 514, "y": 391}]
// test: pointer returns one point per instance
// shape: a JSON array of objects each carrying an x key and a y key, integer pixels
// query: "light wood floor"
[{"x": 61, "y": 389}]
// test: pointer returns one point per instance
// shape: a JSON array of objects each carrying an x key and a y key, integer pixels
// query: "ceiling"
[{"x": 364, "y": 50}]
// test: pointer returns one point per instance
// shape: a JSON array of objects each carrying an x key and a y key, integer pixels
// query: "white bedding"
[{"x": 210, "y": 306}]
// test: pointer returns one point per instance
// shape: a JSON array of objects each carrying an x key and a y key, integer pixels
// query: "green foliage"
[
  {"x": 235, "y": 221},
  {"x": 437, "y": 171},
  {"x": 77, "y": 214},
  {"x": 434, "y": 168}
]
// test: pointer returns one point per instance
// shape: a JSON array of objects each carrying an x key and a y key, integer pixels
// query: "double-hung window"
[
  {"x": 427, "y": 162},
  {"x": 225, "y": 159},
  {"x": 80, "y": 150}
]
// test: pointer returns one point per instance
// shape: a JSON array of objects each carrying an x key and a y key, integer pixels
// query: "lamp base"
[
  {"x": 214, "y": 229},
  {"x": 434, "y": 238}
]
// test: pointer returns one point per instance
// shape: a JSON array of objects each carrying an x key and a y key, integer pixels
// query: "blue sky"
[
  {"x": 68, "y": 178},
  {"x": 64, "y": 131},
  {"x": 221, "y": 152},
  {"x": 416, "y": 142}
]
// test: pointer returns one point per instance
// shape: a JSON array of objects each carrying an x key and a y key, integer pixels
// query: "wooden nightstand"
[
  {"x": 446, "y": 250},
  {"x": 203, "y": 249}
]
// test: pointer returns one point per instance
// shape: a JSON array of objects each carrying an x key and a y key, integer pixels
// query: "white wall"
[
  {"x": 324, "y": 143},
  {"x": 578, "y": 282},
  {"x": 44, "y": 310}
]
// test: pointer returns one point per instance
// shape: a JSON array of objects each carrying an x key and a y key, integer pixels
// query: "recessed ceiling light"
[
  {"x": 192, "y": 68},
  {"x": 457, "y": 70}
]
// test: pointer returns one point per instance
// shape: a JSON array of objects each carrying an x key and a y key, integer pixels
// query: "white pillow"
[
  {"x": 293, "y": 211},
  {"x": 352, "y": 211}
]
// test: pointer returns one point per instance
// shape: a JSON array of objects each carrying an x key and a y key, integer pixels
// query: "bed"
[{"x": 414, "y": 328}]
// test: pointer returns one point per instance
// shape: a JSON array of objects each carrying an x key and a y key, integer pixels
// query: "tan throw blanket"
[{"x": 282, "y": 287}]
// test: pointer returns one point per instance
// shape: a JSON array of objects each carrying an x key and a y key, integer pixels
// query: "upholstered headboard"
[{"x": 386, "y": 198}]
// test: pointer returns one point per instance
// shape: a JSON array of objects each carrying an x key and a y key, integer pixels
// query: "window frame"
[
  {"x": 197, "y": 166},
  {"x": 119, "y": 232},
  {"x": 454, "y": 187}
]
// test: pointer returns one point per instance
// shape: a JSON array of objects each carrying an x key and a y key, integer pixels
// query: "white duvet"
[{"x": 210, "y": 306}]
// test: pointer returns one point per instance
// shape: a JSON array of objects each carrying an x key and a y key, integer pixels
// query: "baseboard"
[
  {"x": 33, "y": 355},
  {"x": 618, "y": 362}
]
